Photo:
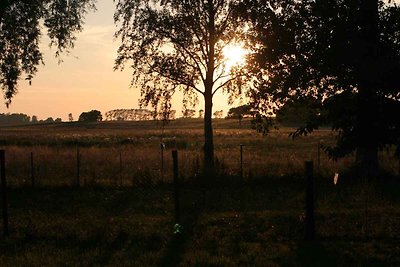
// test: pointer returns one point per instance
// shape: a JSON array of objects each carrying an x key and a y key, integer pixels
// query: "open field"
[
  {"x": 125, "y": 152},
  {"x": 123, "y": 213}
]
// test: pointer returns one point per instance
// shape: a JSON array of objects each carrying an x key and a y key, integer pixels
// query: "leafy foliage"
[
  {"x": 173, "y": 45},
  {"x": 344, "y": 54},
  {"x": 20, "y": 32}
]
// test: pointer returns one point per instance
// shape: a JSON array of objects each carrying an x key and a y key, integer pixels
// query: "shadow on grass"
[
  {"x": 178, "y": 242},
  {"x": 314, "y": 254}
]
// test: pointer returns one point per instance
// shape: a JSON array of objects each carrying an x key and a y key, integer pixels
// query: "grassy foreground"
[
  {"x": 238, "y": 225},
  {"x": 125, "y": 216}
]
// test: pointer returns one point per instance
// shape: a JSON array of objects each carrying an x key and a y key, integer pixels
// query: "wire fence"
[
  {"x": 152, "y": 165},
  {"x": 168, "y": 191}
]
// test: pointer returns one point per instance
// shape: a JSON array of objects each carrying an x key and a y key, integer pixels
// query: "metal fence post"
[
  {"x": 162, "y": 147},
  {"x": 4, "y": 192},
  {"x": 309, "y": 219},
  {"x": 120, "y": 168},
  {"x": 241, "y": 162},
  {"x": 32, "y": 171},
  {"x": 176, "y": 186}
]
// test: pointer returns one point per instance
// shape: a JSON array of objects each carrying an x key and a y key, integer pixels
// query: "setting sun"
[{"x": 235, "y": 55}]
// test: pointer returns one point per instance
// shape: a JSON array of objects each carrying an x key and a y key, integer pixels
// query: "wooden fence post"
[
  {"x": 319, "y": 157},
  {"x": 78, "y": 166},
  {"x": 241, "y": 162},
  {"x": 162, "y": 147},
  {"x": 120, "y": 168},
  {"x": 309, "y": 219},
  {"x": 176, "y": 186},
  {"x": 32, "y": 171},
  {"x": 4, "y": 192}
]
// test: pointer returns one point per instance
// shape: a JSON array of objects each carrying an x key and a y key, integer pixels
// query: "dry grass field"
[
  {"x": 122, "y": 152},
  {"x": 123, "y": 212}
]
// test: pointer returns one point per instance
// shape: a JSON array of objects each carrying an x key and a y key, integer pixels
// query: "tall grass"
[{"x": 130, "y": 153}]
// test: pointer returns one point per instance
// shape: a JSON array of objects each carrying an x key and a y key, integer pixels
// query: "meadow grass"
[
  {"x": 104, "y": 147},
  {"x": 125, "y": 216}
]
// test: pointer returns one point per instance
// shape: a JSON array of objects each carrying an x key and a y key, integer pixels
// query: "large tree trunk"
[
  {"x": 367, "y": 125},
  {"x": 208, "y": 136},
  {"x": 209, "y": 170}
]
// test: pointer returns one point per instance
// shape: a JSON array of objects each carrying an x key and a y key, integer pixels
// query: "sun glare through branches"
[{"x": 235, "y": 56}]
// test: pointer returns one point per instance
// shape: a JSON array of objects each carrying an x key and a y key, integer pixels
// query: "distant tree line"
[
  {"x": 138, "y": 115},
  {"x": 21, "y": 118}
]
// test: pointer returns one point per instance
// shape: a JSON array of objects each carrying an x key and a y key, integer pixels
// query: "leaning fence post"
[
  {"x": 241, "y": 162},
  {"x": 4, "y": 192},
  {"x": 32, "y": 171},
  {"x": 78, "y": 166},
  {"x": 176, "y": 186},
  {"x": 309, "y": 219}
]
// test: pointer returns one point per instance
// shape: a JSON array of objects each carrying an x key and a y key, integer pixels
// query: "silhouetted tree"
[
  {"x": 188, "y": 113},
  {"x": 70, "y": 118},
  {"x": 58, "y": 120},
  {"x": 344, "y": 54},
  {"x": 49, "y": 120},
  {"x": 91, "y": 116},
  {"x": 34, "y": 119},
  {"x": 20, "y": 32},
  {"x": 201, "y": 113},
  {"x": 239, "y": 112},
  {"x": 218, "y": 114},
  {"x": 174, "y": 45}
]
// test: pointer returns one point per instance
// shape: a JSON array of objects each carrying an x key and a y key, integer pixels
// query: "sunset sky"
[{"x": 85, "y": 80}]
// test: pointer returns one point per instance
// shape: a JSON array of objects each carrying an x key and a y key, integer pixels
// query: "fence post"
[
  {"x": 176, "y": 186},
  {"x": 319, "y": 156},
  {"x": 120, "y": 168},
  {"x": 78, "y": 166},
  {"x": 162, "y": 147},
  {"x": 309, "y": 219},
  {"x": 4, "y": 192},
  {"x": 32, "y": 171},
  {"x": 241, "y": 162}
]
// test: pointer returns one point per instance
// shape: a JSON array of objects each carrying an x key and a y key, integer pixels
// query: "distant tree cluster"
[
  {"x": 201, "y": 113},
  {"x": 188, "y": 113},
  {"x": 91, "y": 116},
  {"x": 138, "y": 115},
  {"x": 20, "y": 118},
  {"x": 218, "y": 114},
  {"x": 241, "y": 112},
  {"x": 15, "y": 118}
]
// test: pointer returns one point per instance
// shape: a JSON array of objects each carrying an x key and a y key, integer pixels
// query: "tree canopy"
[
  {"x": 343, "y": 53},
  {"x": 20, "y": 32},
  {"x": 179, "y": 45}
]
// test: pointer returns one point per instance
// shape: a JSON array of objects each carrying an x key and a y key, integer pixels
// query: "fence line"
[{"x": 4, "y": 192}]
